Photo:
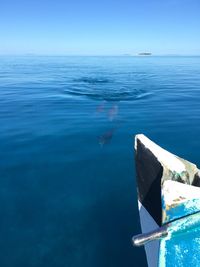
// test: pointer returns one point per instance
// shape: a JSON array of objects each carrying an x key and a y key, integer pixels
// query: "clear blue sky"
[{"x": 96, "y": 27}]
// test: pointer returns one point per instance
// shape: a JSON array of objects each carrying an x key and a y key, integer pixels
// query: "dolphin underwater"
[{"x": 106, "y": 137}]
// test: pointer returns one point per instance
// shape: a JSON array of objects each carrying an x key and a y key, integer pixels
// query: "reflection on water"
[
  {"x": 101, "y": 107},
  {"x": 113, "y": 112},
  {"x": 65, "y": 201}
]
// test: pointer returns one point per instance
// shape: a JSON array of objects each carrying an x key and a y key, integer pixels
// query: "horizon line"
[{"x": 97, "y": 55}]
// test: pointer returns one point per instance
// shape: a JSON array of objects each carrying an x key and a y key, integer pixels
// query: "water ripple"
[{"x": 105, "y": 89}]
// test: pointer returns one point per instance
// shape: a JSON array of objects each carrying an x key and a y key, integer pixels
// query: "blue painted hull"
[{"x": 182, "y": 247}]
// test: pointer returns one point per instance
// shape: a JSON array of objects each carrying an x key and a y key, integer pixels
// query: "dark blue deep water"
[{"x": 67, "y": 178}]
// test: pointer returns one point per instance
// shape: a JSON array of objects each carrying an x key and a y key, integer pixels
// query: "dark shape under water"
[
  {"x": 92, "y": 80},
  {"x": 106, "y": 137}
]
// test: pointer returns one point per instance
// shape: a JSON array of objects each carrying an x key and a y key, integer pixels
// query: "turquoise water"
[{"x": 67, "y": 178}]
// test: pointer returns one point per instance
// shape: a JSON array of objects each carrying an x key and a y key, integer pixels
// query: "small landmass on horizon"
[{"x": 144, "y": 54}]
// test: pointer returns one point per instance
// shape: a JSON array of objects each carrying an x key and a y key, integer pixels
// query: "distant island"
[{"x": 145, "y": 54}]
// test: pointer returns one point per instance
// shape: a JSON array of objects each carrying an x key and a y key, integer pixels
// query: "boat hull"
[{"x": 168, "y": 196}]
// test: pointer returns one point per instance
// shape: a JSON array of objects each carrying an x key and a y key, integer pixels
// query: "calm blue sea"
[{"x": 67, "y": 178}]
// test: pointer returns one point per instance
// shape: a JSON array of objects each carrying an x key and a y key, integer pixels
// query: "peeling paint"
[
  {"x": 182, "y": 241},
  {"x": 179, "y": 200}
]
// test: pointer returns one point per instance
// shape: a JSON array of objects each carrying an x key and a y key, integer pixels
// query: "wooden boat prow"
[{"x": 169, "y": 205}]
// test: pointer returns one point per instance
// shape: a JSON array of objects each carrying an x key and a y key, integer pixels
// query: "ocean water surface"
[{"x": 67, "y": 177}]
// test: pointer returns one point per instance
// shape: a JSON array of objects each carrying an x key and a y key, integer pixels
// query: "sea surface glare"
[{"x": 67, "y": 178}]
